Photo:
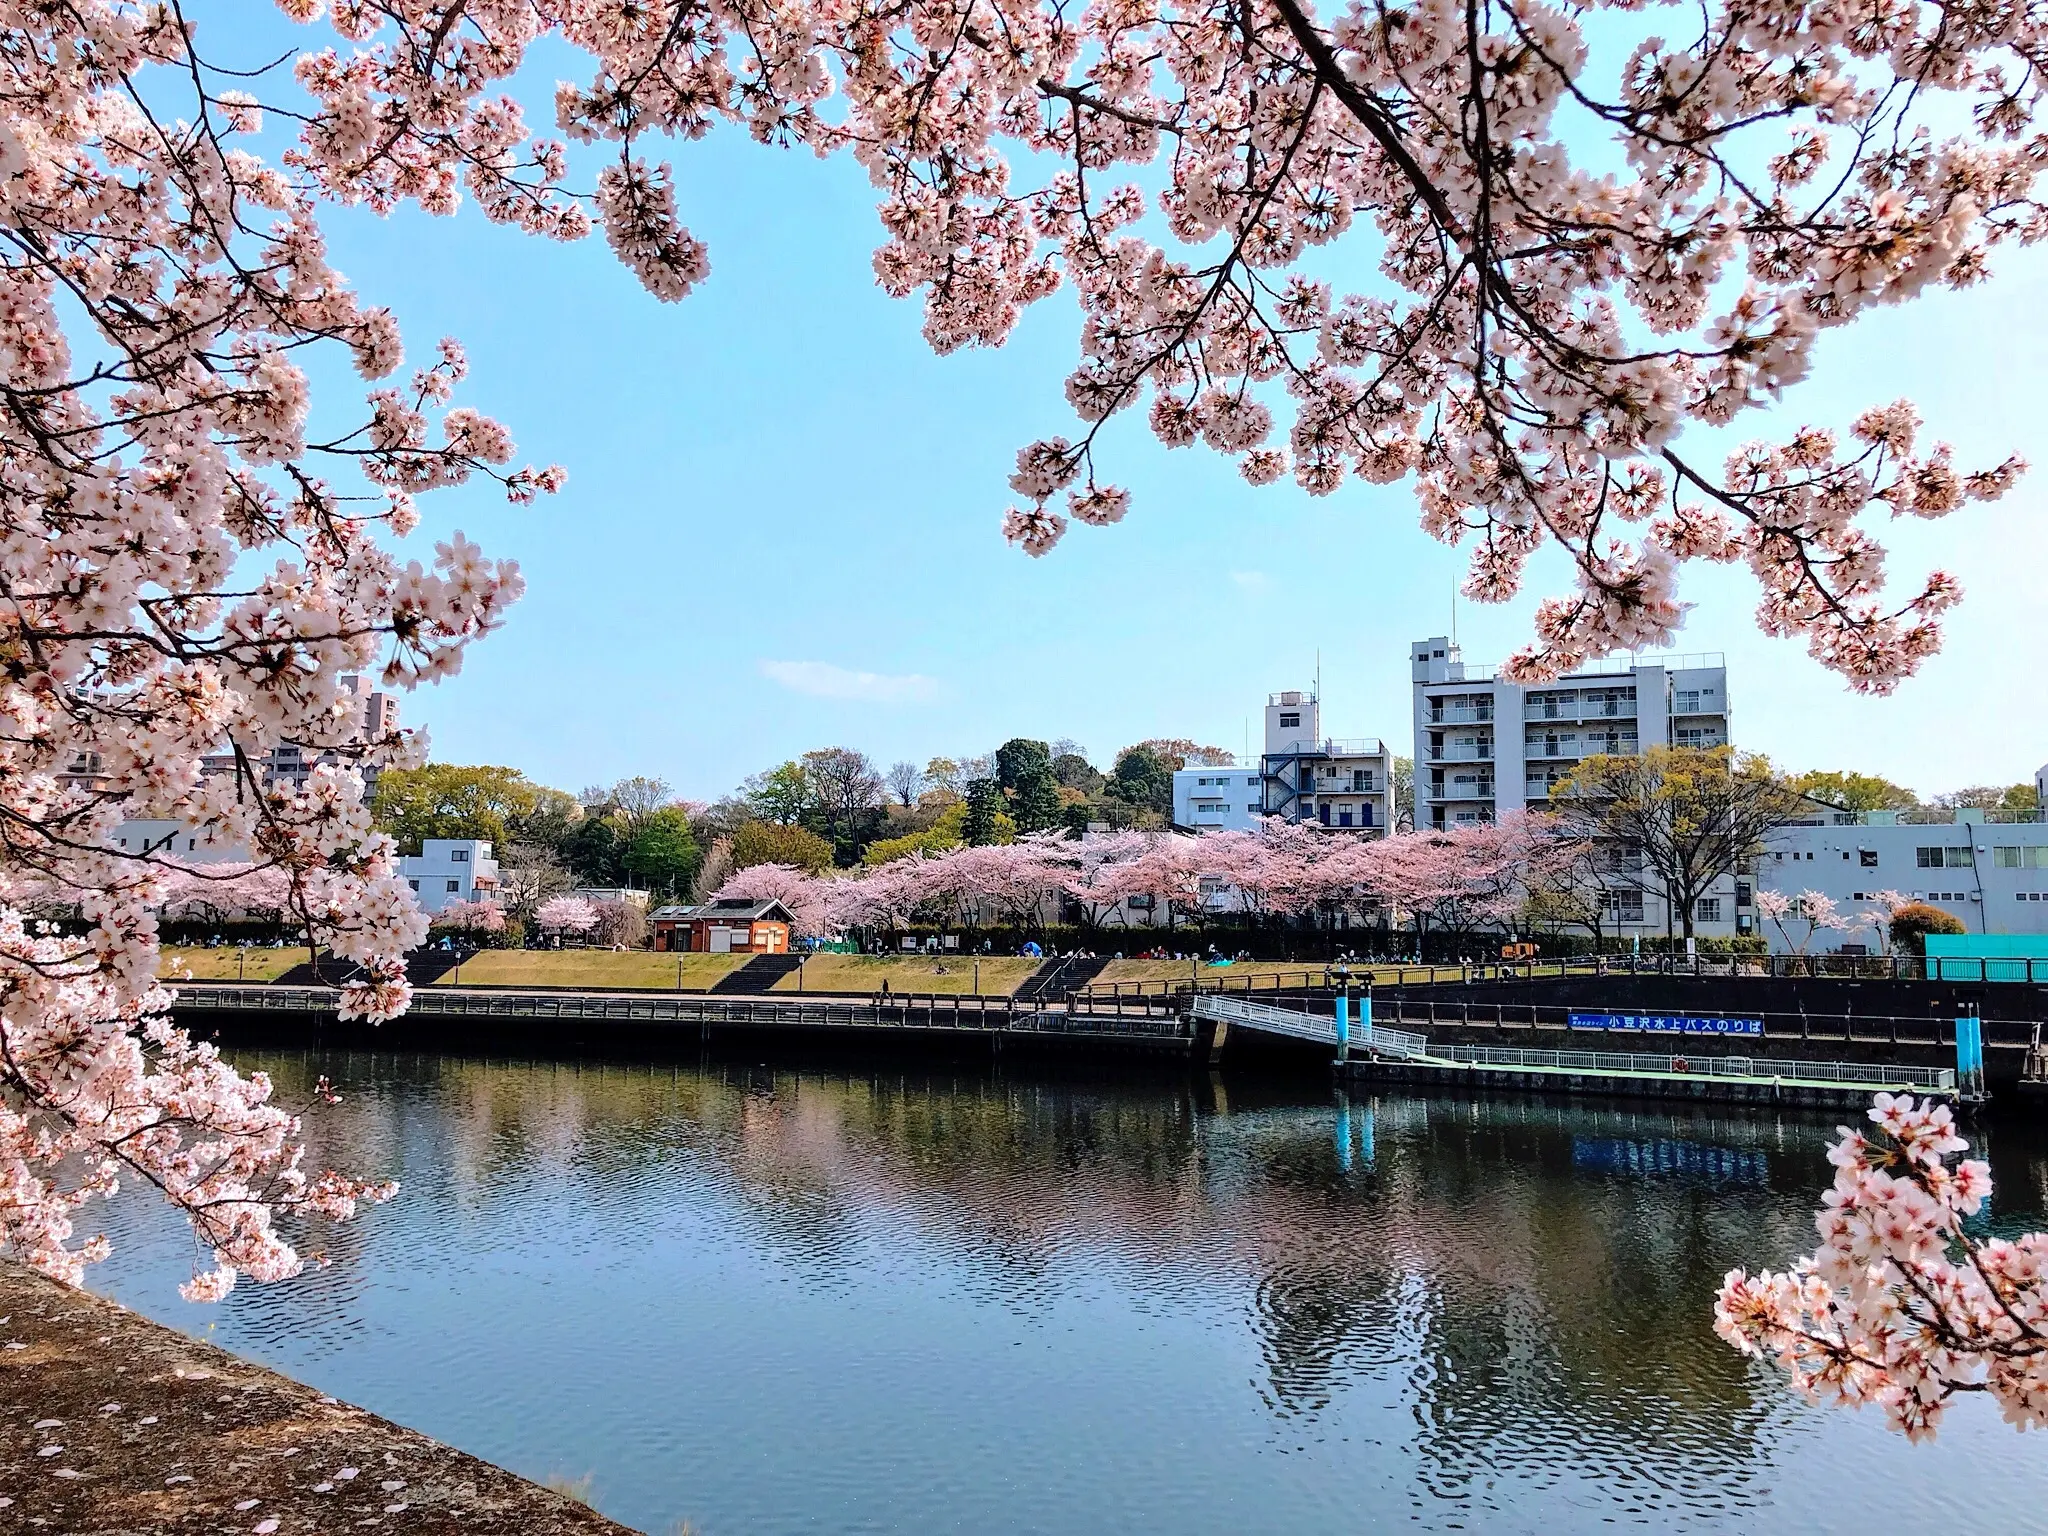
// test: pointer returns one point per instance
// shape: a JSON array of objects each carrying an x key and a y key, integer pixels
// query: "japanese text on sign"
[{"x": 1667, "y": 1024}]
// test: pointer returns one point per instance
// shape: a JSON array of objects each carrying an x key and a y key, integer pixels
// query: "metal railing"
[
  {"x": 1918, "y": 1031},
  {"x": 1859, "y": 1074},
  {"x": 1362, "y": 1036}
]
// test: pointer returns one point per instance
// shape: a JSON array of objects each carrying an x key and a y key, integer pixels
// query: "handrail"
[{"x": 1872, "y": 1074}]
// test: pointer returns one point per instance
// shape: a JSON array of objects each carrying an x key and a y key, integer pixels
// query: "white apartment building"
[
  {"x": 450, "y": 869},
  {"x": 1213, "y": 799},
  {"x": 1336, "y": 782},
  {"x": 1990, "y": 874},
  {"x": 1303, "y": 776},
  {"x": 290, "y": 765},
  {"x": 1484, "y": 745}
]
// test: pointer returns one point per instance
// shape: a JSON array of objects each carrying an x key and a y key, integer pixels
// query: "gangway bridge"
[{"x": 1375, "y": 1051}]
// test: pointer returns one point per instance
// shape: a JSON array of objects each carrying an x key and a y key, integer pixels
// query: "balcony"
[
  {"x": 1461, "y": 714},
  {"x": 1468, "y": 789},
  {"x": 1473, "y": 754}
]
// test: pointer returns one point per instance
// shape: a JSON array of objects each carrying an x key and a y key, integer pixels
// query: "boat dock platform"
[{"x": 1374, "y": 1053}]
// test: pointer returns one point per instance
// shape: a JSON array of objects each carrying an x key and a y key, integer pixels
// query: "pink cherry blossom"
[
  {"x": 566, "y": 914},
  {"x": 1901, "y": 1305}
]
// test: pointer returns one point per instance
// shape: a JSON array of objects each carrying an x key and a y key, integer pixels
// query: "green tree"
[
  {"x": 1019, "y": 757},
  {"x": 595, "y": 852},
  {"x": 984, "y": 809},
  {"x": 1142, "y": 778},
  {"x": 762, "y": 842},
  {"x": 946, "y": 832},
  {"x": 1401, "y": 802},
  {"x": 1037, "y": 804},
  {"x": 1990, "y": 797},
  {"x": 783, "y": 796},
  {"x": 445, "y": 800},
  {"x": 662, "y": 853},
  {"x": 1075, "y": 772},
  {"x": 1694, "y": 813},
  {"x": 1854, "y": 791}
]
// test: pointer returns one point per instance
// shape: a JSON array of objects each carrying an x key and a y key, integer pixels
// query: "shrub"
[{"x": 1915, "y": 920}]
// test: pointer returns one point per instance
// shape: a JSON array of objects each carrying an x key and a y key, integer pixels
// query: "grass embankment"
[
  {"x": 1001, "y": 975},
  {"x": 229, "y": 964},
  {"x": 602, "y": 970}
]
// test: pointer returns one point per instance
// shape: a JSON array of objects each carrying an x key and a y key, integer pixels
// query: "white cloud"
[
  {"x": 822, "y": 680},
  {"x": 1252, "y": 583}
]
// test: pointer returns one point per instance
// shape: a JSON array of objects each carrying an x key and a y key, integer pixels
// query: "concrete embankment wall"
[{"x": 154, "y": 1432}]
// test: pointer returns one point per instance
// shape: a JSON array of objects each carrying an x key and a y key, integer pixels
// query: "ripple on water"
[{"x": 771, "y": 1300}]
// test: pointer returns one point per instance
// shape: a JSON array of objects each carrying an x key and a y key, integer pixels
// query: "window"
[
  {"x": 454, "y": 886},
  {"x": 1290, "y": 722},
  {"x": 458, "y": 855},
  {"x": 414, "y": 884},
  {"x": 1867, "y": 857},
  {"x": 1707, "y": 909},
  {"x": 1251, "y": 810},
  {"x": 1948, "y": 858},
  {"x": 1689, "y": 701},
  {"x": 2020, "y": 858},
  {"x": 1253, "y": 780},
  {"x": 1140, "y": 903},
  {"x": 1625, "y": 906}
]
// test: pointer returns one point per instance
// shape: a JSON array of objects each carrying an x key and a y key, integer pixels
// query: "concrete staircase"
[
  {"x": 1059, "y": 978},
  {"x": 758, "y": 974}
]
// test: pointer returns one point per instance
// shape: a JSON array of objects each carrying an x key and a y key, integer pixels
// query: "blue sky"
[{"x": 780, "y": 529}]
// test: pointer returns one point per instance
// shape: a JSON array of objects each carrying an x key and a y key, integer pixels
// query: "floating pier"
[{"x": 1373, "y": 1052}]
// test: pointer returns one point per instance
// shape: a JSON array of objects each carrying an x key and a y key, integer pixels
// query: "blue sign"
[{"x": 1666, "y": 1024}]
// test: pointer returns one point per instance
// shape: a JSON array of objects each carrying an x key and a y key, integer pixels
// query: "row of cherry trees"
[{"x": 1458, "y": 880}]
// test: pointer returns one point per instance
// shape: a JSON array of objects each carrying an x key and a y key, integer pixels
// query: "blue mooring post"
[
  {"x": 1970, "y": 1056},
  {"x": 1343, "y": 1026}
]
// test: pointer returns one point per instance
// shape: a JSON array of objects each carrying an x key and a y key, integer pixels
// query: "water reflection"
[{"x": 768, "y": 1300}]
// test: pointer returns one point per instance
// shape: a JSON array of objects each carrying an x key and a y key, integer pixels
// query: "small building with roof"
[{"x": 734, "y": 926}]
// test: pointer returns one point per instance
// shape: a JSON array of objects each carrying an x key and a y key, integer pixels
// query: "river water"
[{"x": 772, "y": 1299}]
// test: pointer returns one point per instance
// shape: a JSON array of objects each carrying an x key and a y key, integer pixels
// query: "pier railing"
[
  {"x": 1928, "y": 1030},
  {"x": 1681, "y": 1064}
]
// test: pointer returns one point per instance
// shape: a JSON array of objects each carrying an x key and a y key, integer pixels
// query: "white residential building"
[
  {"x": 1321, "y": 780},
  {"x": 451, "y": 869},
  {"x": 175, "y": 840},
  {"x": 1992, "y": 874},
  {"x": 1231, "y": 799},
  {"x": 1303, "y": 776},
  {"x": 1484, "y": 745},
  {"x": 290, "y": 765}
]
